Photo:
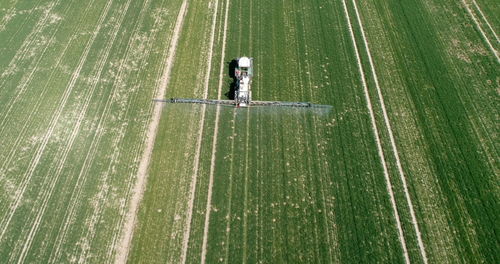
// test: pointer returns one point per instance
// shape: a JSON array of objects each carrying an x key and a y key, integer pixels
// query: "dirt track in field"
[
  {"x": 214, "y": 143},
  {"x": 138, "y": 190}
]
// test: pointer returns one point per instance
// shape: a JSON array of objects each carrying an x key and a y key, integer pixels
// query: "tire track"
[
  {"x": 247, "y": 156},
  {"x": 245, "y": 190},
  {"x": 377, "y": 137},
  {"x": 310, "y": 145},
  {"x": 187, "y": 230},
  {"x": 35, "y": 160},
  {"x": 3, "y": 125},
  {"x": 216, "y": 131},
  {"x": 27, "y": 121},
  {"x": 103, "y": 193},
  {"x": 481, "y": 31},
  {"x": 137, "y": 157},
  {"x": 322, "y": 187},
  {"x": 46, "y": 196},
  {"x": 247, "y": 150},
  {"x": 7, "y": 16},
  {"x": 45, "y": 88},
  {"x": 25, "y": 49},
  {"x": 74, "y": 133},
  {"x": 259, "y": 215},
  {"x": 11, "y": 13},
  {"x": 391, "y": 138},
  {"x": 28, "y": 42},
  {"x": 138, "y": 190},
  {"x": 486, "y": 20},
  {"x": 20, "y": 28},
  {"x": 81, "y": 179},
  {"x": 230, "y": 193},
  {"x": 27, "y": 46}
]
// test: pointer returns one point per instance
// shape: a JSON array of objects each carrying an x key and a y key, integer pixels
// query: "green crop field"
[
  {"x": 77, "y": 79},
  {"x": 403, "y": 168}
]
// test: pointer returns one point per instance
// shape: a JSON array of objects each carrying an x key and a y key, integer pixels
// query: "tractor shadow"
[{"x": 232, "y": 87}]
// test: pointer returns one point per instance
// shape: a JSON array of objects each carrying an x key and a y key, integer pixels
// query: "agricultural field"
[
  {"x": 402, "y": 169},
  {"x": 77, "y": 79}
]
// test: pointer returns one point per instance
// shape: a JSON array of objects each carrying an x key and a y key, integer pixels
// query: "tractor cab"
[
  {"x": 243, "y": 73},
  {"x": 245, "y": 68}
]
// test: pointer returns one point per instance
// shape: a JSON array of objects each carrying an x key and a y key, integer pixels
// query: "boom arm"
[{"x": 231, "y": 102}]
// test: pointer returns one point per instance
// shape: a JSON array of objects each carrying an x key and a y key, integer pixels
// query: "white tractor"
[
  {"x": 243, "y": 95},
  {"x": 244, "y": 74}
]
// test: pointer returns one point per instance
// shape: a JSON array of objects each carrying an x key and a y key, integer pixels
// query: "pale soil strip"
[
  {"x": 324, "y": 210},
  {"x": 81, "y": 179},
  {"x": 8, "y": 15},
  {"x": 110, "y": 247},
  {"x": 377, "y": 137},
  {"x": 22, "y": 131},
  {"x": 478, "y": 26},
  {"x": 28, "y": 42},
  {"x": 48, "y": 194},
  {"x": 35, "y": 160},
  {"x": 138, "y": 191},
  {"x": 230, "y": 192},
  {"x": 27, "y": 47},
  {"x": 187, "y": 230},
  {"x": 20, "y": 54},
  {"x": 75, "y": 198},
  {"x": 259, "y": 216},
  {"x": 318, "y": 158},
  {"x": 245, "y": 191},
  {"x": 486, "y": 20},
  {"x": 309, "y": 188},
  {"x": 25, "y": 83},
  {"x": 247, "y": 150},
  {"x": 38, "y": 103},
  {"x": 104, "y": 192},
  {"x": 216, "y": 131},
  {"x": 11, "y": 13},
  {"x": 137, "y": 150},
  {"x": 391, "y": 137},
  {"x": 101, "y": 64}
]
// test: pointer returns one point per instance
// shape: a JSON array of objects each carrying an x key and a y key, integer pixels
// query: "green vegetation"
[
  {"x": 404, "y": 168},
  {"x": 77, "y": 79},
  {"x": 293, "y": 186}
]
